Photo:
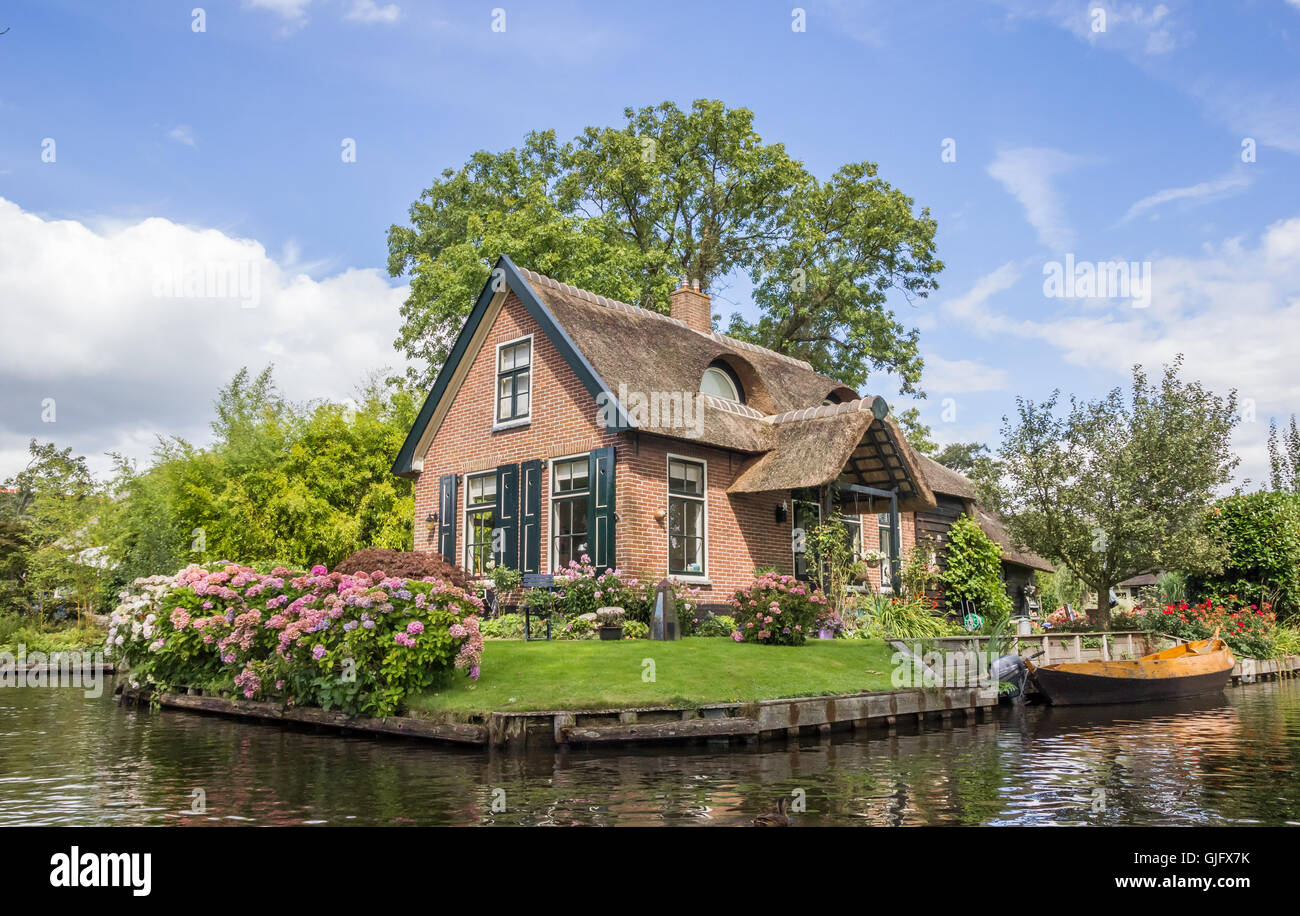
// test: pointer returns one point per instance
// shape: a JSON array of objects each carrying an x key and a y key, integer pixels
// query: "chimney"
[{"x": 688, "y": 304}]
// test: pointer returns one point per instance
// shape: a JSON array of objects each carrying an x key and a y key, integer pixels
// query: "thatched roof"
[
  {"x": 944, "y": 479},
  {"x": 644, "y": 351},
  {"x": 631, "y": 353},
  {"x": 993, "y": 527},
  {"x": 1142, "y": 580},
  {"x": 844, "y": 443}
]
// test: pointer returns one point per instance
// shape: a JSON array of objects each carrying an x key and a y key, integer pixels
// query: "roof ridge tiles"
[{"x": 824, "y": 410}]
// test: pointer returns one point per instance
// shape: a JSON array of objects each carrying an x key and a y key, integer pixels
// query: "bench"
[{"x": 536, "y": 580}]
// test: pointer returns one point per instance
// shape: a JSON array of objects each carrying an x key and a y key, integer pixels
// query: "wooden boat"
[{"x": 1186, "y": 670}]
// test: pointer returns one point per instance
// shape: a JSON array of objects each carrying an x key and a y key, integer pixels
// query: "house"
[
  {"x": 566, "y": 424},
  {"x": 1132, "y": 587},
  {"x": 955, "y": 495}
]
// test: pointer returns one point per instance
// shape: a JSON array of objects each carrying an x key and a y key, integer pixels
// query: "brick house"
[{"x": 565, "y": 423}]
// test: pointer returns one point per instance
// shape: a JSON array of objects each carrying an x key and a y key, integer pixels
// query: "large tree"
[
  {"x": 624, "y": 211},
  {"x": 1117, "y": 486}
]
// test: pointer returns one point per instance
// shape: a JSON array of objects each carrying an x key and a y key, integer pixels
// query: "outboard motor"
[{"x": 1009, "y": 669}]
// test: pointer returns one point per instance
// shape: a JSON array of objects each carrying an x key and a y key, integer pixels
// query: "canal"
[{"x": 1230, "y": 759}]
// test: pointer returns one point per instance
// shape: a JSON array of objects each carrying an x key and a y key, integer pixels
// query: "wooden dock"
[{"x": 765, "y": 720}]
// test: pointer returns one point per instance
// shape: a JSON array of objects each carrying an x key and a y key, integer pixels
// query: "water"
[{"x": 1231, "y": 759}]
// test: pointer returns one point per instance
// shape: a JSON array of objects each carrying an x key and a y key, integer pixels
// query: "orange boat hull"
[{"x": 1186, "y": 670}]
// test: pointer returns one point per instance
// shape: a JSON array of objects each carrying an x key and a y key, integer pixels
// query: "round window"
[{"x": 719, "y": 383}]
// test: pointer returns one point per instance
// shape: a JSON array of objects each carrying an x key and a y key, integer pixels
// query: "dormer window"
[
  {"x": 514, "y": 382},
  {"x": 721, "y": 381}
]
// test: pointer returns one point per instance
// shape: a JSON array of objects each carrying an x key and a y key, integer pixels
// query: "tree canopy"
[
  {"x": 1117, "y": 486},
  {"x": 624, "y": 211}
]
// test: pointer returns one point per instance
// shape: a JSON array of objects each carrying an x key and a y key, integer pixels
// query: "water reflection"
[{"x": 65, "y": 759}]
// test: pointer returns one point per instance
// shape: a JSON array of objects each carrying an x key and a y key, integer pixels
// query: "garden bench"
[{"x": 536, "y": 580}]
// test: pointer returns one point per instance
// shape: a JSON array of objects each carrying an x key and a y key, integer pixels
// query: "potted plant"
[{"x": 609, "y": 622}]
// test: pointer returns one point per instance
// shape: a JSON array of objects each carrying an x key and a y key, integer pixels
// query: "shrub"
[
  {"x": 974, "y": 571},
  {"x": 911, "y": 617},
  {"x": 404, "y": 564},
  {"x": 580, "y": 589},
  {"x": 506, "y": 626},
  {"x": 635, "y": 629},
  {"x": 359, "y": 642},
  {"x": 716, "y": 625},
  {"x": 777, "y": 610},
  {"x": 582, "y": 626},
  {"x": 1247, "y": 629},
  {"x": 921, "y": 569},
  {"x": 1261, "y": 534}
]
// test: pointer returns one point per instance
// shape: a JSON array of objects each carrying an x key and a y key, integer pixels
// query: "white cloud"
[
  {"x": 82, "y": 325},
  {"x": 182, "y": 134},
  {"x": 972, "y": 308},
  {"x": 964, "y": 376},
  {"x": 1204, "y": 192},
  {"x": 1233, "y": 312},
  {"x": 368, "y": 11},
  {"x": 1028, "y": 174},
  {"x": 292, "y": 11}
]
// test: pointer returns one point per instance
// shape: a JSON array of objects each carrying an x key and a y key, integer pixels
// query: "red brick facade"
[{"x": 742, "y": 531}]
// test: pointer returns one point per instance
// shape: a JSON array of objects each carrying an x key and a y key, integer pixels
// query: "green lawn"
[{"x": 596, "y": 675}]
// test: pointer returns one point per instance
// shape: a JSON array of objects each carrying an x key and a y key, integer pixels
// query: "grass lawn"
[{"x": 594, "y": 675}]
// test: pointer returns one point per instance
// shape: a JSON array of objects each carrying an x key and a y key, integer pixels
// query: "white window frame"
[
  {"x": 549, "y": 531},
  {"x": 465, "y": 513},
  {"x": 701, "y": 578},
  {"x": 496, "y": 383}
]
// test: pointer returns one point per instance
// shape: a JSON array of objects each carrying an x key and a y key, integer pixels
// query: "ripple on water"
[{"x": 1231, "y": 759}]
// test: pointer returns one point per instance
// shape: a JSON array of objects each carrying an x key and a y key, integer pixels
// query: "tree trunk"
[{"x": 1103, "y": 605}]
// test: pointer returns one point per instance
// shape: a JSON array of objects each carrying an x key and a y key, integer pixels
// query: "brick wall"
[
  {"x": 742, "y": 532},
  {"x": 563, "y": 423}
]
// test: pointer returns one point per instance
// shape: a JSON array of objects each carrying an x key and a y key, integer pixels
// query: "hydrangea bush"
[
  {"x": 359, "y": 642},
  {"x": 778, "y": 610}
]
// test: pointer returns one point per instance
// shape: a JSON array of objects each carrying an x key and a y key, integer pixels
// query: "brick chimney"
[{"x": 688, "y": 304}]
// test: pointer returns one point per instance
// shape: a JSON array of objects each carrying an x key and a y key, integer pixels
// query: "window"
[
  {"x": 480, "y": 520},
  {"x": 887, "y": 548},
  {"x": 807, "y": 516},
  {"x": 853, "y": 525},
  {"x": 514, "y": 380},
  {"x": 720, "y": 381},
  {"x": 570, "y": 499},
  {"x": 685, "y": 517}
]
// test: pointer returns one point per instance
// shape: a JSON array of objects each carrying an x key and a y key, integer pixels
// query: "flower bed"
[
  {"x": 778, "y": 610},
  {"x": 360, "y": 642},
  {"x": 1248, "y": 629}
]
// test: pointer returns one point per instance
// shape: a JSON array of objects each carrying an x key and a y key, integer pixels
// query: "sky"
[{"x": 1044, "y": 137}]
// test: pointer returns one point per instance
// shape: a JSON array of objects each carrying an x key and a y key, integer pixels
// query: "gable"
[{"x": 504, "y": 280}]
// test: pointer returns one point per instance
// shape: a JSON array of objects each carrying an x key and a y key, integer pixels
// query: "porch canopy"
[{"x": 853, "y": 444}]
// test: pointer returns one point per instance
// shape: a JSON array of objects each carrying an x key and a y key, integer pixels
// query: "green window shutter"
[
  {"x": 507, "y": 516},
  {"x": 530, "y": 518},
  {"x": 600, "y": 507},
  {"x": 447, "y": 487}
]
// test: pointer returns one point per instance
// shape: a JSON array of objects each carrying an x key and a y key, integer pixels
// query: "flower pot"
[{"x": 610, "y": 632}]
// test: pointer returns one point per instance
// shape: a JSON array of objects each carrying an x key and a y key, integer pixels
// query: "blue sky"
[{"x": 1123, "y": 143}]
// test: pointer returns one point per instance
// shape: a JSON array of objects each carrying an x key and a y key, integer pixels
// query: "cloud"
[
  {"x": 965, "y": 376},
  {"x": 94, "y": 326},
  {"x": 367, "y": 11},
  {"x": 182, "y": 134},
  {"x": 292, "y": 11},
  {"x": 972, "y": 308},
  {"x": 1027, "y": 173},
  {"x": 1233, "y": 311},
  {"x": 1204, "y": 192}
]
